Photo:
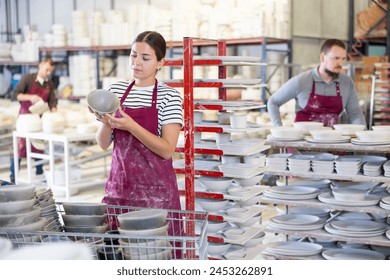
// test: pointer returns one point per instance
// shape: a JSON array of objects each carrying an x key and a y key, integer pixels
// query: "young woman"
[{"x": 144, "y": 131}]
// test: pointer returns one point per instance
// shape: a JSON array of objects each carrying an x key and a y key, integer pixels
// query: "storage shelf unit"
[{"x": 314, "y": 203}]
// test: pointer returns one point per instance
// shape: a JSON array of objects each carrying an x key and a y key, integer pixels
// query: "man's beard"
[{"x": 333, "y": 75}]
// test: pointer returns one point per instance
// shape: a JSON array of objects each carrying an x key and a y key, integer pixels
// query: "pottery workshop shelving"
[
  {"x": 326, "y": 202},
  {"x": 192, "y": 167}
]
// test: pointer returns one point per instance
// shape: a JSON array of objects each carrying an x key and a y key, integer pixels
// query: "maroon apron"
[
  {"x": 139, "y": 177},
  {"x": 42, "y": 92},
  {"x": 320, "y": 108}
]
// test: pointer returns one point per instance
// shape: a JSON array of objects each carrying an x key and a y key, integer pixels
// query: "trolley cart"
[{"x": 115, "y": 246}]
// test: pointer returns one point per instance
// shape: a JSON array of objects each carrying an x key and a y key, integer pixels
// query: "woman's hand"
[
  {"x": 101, "y": 118},
  {"x": 124, "y": 123}
]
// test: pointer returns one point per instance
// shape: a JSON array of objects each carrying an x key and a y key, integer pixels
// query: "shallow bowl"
[
  {"x": 214, "y": 227},
  {"x": 348, "y": 194},
  {"x": 211, "y": 205},
  {"x": 12, "y": 207},
  {"x": 84, "y": 208},
  {"x": 349, "y": 129},
  {"x": 373, "y": 136},
  {"x": 324, "y": 134},
  {"x": 216, "y": 249},
  {"x": 216, "y": 184},
  {"x": 22, "y": 218},
  {"x": 103, "y": 101},
  {"x": 83, "y": 220},
  {"x": 234, "y": 233},
  {"x": 307, "y": 126},
  {"x": 17, "y": 192},
  {"x": 247, "y": 182},
  {"x": 160, "y": 231},
  {"x": 255, "y": 240},
  {"x": 143, "y": 219},
  {"x": 87, "y": 229},
  {"x": 34, "y": 226},
  {"x": 284, "y": 132}
]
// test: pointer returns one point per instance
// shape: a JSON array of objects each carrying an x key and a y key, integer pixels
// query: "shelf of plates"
[
  {"x": 192, "y": 167},
  {"x": 339, "y": 208},
  {"x": 380, "y": 96}
]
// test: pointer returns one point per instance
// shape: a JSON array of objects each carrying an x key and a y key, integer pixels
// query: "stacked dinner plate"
[
  {"x": 386, "y": 168},
  {"x": 291, "y": 192},
  {"x": 385, "y": 203},
  {"x": 49, "y": 211},
  {"x": 369, "y": 200},
  {"x": 292, "y": 248},
  {"x": 277, "y": 162},
  {"x": 296, "y": 222},
  {"x": 352, "y": 254},
  {"x": 356, "y": 228},
  {"x": 323, "y": 163},
  {"x": 348, "y": 165},
  {"x": 299, "y": 163}
]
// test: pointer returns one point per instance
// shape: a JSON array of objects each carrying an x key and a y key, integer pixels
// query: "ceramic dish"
[{"x": 143, "y": 219}]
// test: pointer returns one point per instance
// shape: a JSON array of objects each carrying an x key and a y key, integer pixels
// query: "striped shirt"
[{"x": 169, "y": 101}]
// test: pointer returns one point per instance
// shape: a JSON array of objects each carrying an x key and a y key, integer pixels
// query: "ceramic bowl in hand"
[
  {"x": 103, "y": 101},
  {"x": 143, "y": 219}
]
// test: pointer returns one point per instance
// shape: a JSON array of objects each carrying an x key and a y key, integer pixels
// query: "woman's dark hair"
[
  {"x": 155, "y": 40},
  {"x": 328, "y": 44}
]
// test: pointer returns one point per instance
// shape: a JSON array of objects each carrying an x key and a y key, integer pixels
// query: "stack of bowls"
[
  {"x": 277, "y": 162},
  {"x": 84, "y": 217},
  {"x": 19, "y": 211},
  {"x": 143, "y": 232},
  {"x": 299, "y": 163},
  {"x": 323, "y": 163}
]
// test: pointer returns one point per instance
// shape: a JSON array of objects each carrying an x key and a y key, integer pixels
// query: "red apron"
[
  {"x": 42, "y": 92},
  {"x": 139, "y": 177},
  {"x": 320, "y": 108}
]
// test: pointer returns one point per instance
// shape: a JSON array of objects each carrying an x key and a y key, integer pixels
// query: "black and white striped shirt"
[{"x": 169, "y": 101}]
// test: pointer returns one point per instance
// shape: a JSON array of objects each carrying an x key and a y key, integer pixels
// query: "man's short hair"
[{"x": 328, "y": 44}]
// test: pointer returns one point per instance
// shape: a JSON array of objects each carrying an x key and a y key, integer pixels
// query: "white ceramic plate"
[
  {"x": 292, "y": 248},
  {"x": 365, "y": 143},
  {"x": 357, "y": 225},
  {"x": 272, "y": 224},
  {"x": 386, "y": 199},
  {"x": 291, "y": 190},
  {"x": 370, "y": 200},
  {"x": 289, "y": 196},
  {"x": 329, "y": 228},
  {"x": 352, "y": 254},
  {"x": 343, "y": 139},
  {"x": 296, "y": 219}
]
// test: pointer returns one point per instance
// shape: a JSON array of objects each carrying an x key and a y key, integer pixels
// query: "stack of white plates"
[
  {"x": 373, "y": 168},
  {"x": 357, "y": 216},
  {"x": 348, "y": 165},
  {"x": 321, "y": 184},
  {"x": 352, "y": 254},
  {"x": 277, "y": 161},
  {"x": 292, "y": 248},
  {"x": 385, "y": 203},
  {"x": 296, "y": 222},
  {"x": 291, "y": 192},
  {"x": 386, "y": 168},
  {"x": 356, "y": 228},
  {"x": 323, "y": 163},
  {"x": 299, "y": 163}
]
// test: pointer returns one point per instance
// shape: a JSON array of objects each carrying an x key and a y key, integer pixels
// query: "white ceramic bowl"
[
  {"x": 211, "y": 205},
  {"x": 17, "y": 192},
  {"x": 348, "y": 194},
  {"x": 22, "y": 218},
  {"x": 381, "y": 127},
  {"x": 258, "y": 160},
  {"x": 214, "y": 227},
  {"x": 247, "y": 182},
  {"x": 216, "y": 249},
  {"x": 216, "y": 184},
  {"x": 373, "y": 136},
  {"x": 307, "y": 126},
  {"x": 160, "y": 231},
  {"x": 84, "y": 208},
  {"x": 87, "y": 229},
  {"x": 83, "y": 220},
  {"x": 103, "y": 101},
  {"x": 224, "y": 117},
  {"x": 250, "y": 202},
  {"x": 239, "y": 191},
  {"x": 28, "y": 123},
  {"x": 238, "y": 121},
  {"x": 236, "y": 211},
  {"x": 285, "y": 132},
  {"x": 143, "y": 219},
  {"x": 255, "y": 240},
  {"x": 349, "y": 129},
  {"x": 12, "y": 207},
  {"x": 324, "y": 134}
]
